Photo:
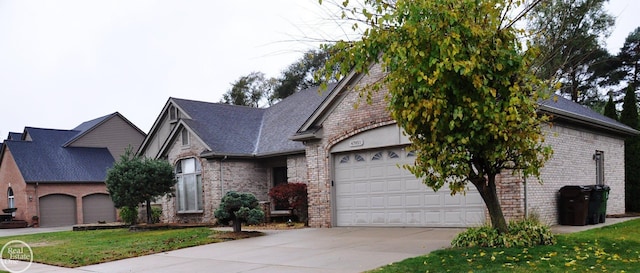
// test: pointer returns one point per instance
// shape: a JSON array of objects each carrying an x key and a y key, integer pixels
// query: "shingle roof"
[
  {"x": 247, "y": 131},
  {"x": 15, "y": 136},
  {"x": 567, "y": 109},
  {"x": 282, "y": 120},
  {"x": 44, "y": 159},
  {"x": 224, "y": 128}
]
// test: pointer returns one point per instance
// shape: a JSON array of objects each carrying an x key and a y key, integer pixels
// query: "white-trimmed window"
[
  {"x": 184, "y": 135},
  {"x": 189, "y": 186}
]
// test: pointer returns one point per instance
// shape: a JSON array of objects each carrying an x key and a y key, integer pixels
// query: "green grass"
[
  {"x": 80, "y": 248},
  {"x": 614, "y": 248}
]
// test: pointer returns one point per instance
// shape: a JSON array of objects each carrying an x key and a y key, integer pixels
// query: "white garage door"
[
  {"x": 372, "y": 190},
  {"x": 57, "y": 210},
  {"x": 97, "y": 208}
]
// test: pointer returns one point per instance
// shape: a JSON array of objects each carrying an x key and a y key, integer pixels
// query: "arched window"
[
  {"x": 189, "y": 186},
  {"x": 10, "y": 197}
]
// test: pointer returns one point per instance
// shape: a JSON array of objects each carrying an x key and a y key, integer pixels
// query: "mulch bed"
[{"x": 143, "y": 227}]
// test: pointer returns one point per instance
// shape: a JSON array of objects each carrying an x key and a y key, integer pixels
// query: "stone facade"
[{"x": 243, "y": 175}]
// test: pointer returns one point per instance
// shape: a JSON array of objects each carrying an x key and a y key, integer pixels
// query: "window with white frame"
[
  {"x": 189, "y": 186},
  {"x": 184, "y": 135}
]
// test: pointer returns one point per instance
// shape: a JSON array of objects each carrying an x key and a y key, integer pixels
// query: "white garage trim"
[
  {"x": 57, "y": 210},
  {"x": 371, "y": 189},
  {"x": 98, "y": 207}
]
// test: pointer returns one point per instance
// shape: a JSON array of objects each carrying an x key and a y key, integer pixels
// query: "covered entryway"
[
  {"x": 371, "y": 189},
  {"x": 98, "y": 208},
  {"x": 57, "y": 210}
]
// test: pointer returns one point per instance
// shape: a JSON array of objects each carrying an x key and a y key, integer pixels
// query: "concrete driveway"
[{"x": 301, "y": 250}]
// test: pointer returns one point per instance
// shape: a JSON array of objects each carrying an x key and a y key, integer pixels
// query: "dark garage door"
[
  {"x": 98, "y": 207},
  {"x": 57, "y": 210}
]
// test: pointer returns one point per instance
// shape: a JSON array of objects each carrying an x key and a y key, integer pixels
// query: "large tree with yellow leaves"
[{"x": 459, "y": 85}]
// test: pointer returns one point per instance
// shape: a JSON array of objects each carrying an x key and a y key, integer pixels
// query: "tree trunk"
[
  {"x": 487, "y": 189},
  {"x": 237, "y": 225},
  {"x": 149, "y": 212}
]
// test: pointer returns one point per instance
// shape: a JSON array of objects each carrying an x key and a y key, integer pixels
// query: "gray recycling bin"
[{"x": 574, "y": 205}]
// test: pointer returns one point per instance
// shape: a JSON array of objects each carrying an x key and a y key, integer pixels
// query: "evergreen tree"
[
  {"x": 134, "y": 180},
  {"x": 570, "y": 35},
  {"x": 629, "y": 116},
  {"x": 610, "y": 108}
]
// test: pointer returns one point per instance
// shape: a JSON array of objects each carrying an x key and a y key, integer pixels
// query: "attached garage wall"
[
  {"x": 98, "y": 207},
  {"x": 371, "y": 189},
  {"x": 57, "y": 210}
]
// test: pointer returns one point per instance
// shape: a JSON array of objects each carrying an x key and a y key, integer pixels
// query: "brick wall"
[
  {"x": 237, "y": 175},
  {"x": 572, "y": 163},
  {"x": 297, "y": 169},
  {"x": 344, "y": 121},
  {"x": 27, "y": 207}
]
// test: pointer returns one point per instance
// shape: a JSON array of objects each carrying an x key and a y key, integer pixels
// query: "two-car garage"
[
  {"x": 61, "y": 209},
  {"x": 371, "y": 188}
]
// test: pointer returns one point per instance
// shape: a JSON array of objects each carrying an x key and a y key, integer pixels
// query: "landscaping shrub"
[
  {"x": 129, "y": 215},
  {"x": 523, "y": 233},
  {"x": 156, "y": 213},
  {"x": 293, "y": 196},
  {"x": 239, "y": 208}
]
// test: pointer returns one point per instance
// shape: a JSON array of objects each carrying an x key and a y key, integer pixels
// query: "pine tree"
[
  {"x": 629, "y": 116},
  {"x": 610, "y": 108}
]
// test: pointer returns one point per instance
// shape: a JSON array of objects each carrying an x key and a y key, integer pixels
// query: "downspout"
[
  {"x": 526, "y": 212},
  {"x": 222, "y": 177},
  {"x": 37, "y": 202}
]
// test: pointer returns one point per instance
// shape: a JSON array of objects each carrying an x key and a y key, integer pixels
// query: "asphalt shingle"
[
  {"x": 44, "y": 159},
  {"x": 247, "y": 131}
]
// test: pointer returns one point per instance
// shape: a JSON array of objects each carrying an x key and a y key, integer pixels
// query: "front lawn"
[
  {"x": 80, "y": 248},
  {"x": 614, "y": 248}
]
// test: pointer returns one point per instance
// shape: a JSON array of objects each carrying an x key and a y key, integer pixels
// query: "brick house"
[
  {"x": 59, "y": 175},
  {"x": 349, "y": 158}
]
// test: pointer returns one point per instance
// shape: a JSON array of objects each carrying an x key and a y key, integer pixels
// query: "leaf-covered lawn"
[
  {"x": 614, "y": 248},
  {"x": 80, "y": 248}
]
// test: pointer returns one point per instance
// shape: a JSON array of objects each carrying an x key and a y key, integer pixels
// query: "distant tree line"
[{"x": 256, "y": 90}]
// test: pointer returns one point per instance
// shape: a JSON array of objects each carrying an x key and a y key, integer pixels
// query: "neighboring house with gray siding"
[
  {"x": 59, "y": 175},
  {"x": 349, "y": 158}
]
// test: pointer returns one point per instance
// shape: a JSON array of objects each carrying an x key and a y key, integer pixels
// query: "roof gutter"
[
  {"x": 581, "y": 119},
  {"x": 214, "y": 155}
]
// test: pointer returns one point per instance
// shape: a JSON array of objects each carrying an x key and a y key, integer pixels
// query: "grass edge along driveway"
[
  {"x": 81, "y": 248},
  {"x": 614, "y": 248}
]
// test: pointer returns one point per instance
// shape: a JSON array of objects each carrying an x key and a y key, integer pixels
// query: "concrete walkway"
[{"x": 302, "y": 250}]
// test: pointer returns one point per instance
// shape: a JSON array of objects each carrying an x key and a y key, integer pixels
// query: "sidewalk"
[{"x": 558, "y": 229}]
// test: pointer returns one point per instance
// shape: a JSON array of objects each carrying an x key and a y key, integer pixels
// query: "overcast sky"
[{"x": 64, "y": 62}]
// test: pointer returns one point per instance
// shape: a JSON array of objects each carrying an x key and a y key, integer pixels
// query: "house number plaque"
[{"x": 356, "y": 143}]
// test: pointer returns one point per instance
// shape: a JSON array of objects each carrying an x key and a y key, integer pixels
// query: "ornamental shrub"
[
  {"x": 129, "y": 215},
  {"x": 238, "y": 208},
  {"x": 524, "y": 233},
  {"x": 292, "y": 196}
]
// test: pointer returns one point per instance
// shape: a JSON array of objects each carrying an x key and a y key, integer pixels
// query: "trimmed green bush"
[
  {"x": 129, "y": 215},
  {"x": 523, "y": 233},
  {"x": 156, "y": 213},
  {"x": 238, "y": 208}
]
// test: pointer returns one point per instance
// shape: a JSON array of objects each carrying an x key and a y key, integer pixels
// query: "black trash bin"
[
  {"x": 574, "y": 205},
  {"x": 595, "y": 204},
  {"x": 603, "y": 205}
]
